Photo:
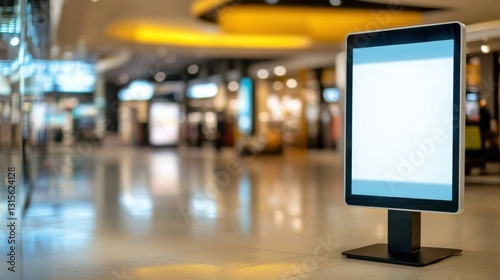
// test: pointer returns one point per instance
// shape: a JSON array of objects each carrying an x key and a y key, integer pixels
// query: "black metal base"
[{"x": 380, "y": 253}]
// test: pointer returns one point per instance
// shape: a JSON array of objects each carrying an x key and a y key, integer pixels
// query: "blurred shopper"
[
  {"x": 489, "y": 134},
  {"x": 221, "y": 129},
  {"x": 484, "y": 123}
]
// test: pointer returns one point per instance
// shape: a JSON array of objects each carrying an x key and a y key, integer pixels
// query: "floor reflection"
[{"x": 157, "y": 213}]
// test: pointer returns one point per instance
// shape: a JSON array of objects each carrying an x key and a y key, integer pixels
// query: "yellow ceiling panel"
[
  {"x": 141, "y": 31},
  {"x": 263, "y": 26},
  {"x": 324, "y": 25},
  {"x": 203, "y": 6}
]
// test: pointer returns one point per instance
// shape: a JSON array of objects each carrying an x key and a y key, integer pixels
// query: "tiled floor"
[{"x": 121, "y": 213}]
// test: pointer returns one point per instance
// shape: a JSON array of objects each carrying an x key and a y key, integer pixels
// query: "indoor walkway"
[{"x": 142, "y": 213}]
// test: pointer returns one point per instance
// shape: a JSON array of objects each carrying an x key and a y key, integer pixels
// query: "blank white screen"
[{"x": 402, "y": 99}]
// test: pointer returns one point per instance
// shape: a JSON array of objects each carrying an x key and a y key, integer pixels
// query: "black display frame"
[{"x": 416, "y": 34}]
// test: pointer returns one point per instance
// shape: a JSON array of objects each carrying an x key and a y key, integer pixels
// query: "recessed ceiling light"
[
  {"x": 291, "y": 83},
  {"x": 160, "y": 76},
  {"x": 171, "y": 58},
  {"x": 485, "y": 48},
  {"x": 335, "y": 2},
  {"x": 193, "y": 69},
  {"x": 280, "y": 71},
  {"x": 272, "y": 1},
  {"x": 233, "y": 86},
  {"x": 277, "y": 85},
  {"x": 123, "y": 78},
  {"x": 262, "y": 74},
  {"x": 14, "y": 41}
]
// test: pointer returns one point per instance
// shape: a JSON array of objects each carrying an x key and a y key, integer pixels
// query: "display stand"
[{"x": 403, "y": 244}]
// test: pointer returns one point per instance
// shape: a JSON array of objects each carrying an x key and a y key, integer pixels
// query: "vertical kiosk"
[{"x": 405, "y": 133}]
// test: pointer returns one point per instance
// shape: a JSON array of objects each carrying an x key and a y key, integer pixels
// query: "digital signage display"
[
  {"x": 137, "y": 90},
  {"x": 472, "y": 108},
  {"x": 198, "y": 91},
  {"x": 246, "y": 106},
  {"x": 404, "y": 118},
  {"x": 164, "y": 123},
  {"x": 71, "y": 76},
  {"x": 203, "y": 88}
]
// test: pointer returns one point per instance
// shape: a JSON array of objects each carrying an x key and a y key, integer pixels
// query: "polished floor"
[{"x": 120, "y": 213}]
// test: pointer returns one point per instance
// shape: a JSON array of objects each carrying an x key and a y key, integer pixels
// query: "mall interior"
[{"x": 204, "y": 139}]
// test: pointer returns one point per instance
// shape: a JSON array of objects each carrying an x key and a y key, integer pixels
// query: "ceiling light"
[
  {"x": 94, "y": 0},
  {"x": 485, "y": 48},
  {"x": 171, "y": 58},
  {"x": 335, "y": 2},
  {"x": 262, "y": 74},
  {"x": 14, "y": 41},
  {"x": 272, "y": 2},
  {"x": 291, "y": 83},
  {"x": 193, "y": 69},
  {"x": 277, "y": 85},
  {"x": 160, "y": 76},
  {"x": 280, "y": 71},
  {"x": 233, "y": 86},
  {"x": 123, "y": 78}
]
